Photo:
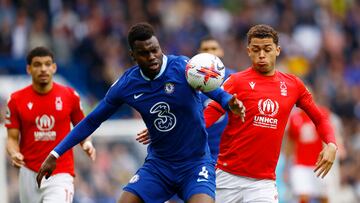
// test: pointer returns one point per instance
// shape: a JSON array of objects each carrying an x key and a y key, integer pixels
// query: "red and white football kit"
[
  {"x": 44, "y": 120},
  {"x": 251, "y": 149},
  {"x": 307, "y": 146}
]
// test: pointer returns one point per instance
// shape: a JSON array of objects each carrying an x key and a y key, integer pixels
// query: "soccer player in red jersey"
[
  {"x": 302, "y": 148},
  {"x": 38, "y": 117},
  {"x": 249, "y": 150},
  {"x": 304, "y": 143}
]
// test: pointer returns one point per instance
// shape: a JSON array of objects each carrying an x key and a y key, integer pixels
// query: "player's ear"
[
  {"x": 28, "y": 69},
  {"x": 248, "y": 50},
  {"x": 54, "y": 67},
  {"x": 278, "y": 50},
  {"x": 132, "y": 54}
]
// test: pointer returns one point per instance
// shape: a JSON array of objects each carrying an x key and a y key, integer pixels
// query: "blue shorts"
[{"x": 158, "y": 180}]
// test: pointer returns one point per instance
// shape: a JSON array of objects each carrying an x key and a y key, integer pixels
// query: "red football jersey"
[
  {"x": 307, "y": 143},
  {"x": 252, "y": 148},
  {"x": 44, "y": 120}
]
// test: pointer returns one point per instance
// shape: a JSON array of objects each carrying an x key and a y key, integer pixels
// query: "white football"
[{"x": 205, "y": 72}]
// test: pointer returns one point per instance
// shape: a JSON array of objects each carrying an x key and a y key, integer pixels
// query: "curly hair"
[{"x": 262, "y": 31}]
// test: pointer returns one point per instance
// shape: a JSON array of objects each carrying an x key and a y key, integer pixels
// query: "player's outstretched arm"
[
  {"x": 325, "y": 160},
  {"x": 46, "y": 169}
]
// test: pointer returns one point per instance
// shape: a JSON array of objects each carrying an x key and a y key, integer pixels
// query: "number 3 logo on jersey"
[{"x": 166, "y": 120}]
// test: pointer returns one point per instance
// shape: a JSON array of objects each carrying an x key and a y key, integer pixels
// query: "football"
[{"x": 205, "y": 72}]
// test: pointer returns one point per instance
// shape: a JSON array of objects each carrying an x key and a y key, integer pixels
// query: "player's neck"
[{"x": 42, "y": 88}]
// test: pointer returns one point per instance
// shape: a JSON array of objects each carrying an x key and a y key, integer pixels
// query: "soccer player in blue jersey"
[
  {"x": 178, "y": 160},
  {"x": 207, "y": 44}
]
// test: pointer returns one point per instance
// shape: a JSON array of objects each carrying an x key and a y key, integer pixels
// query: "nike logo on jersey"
[
  {"x": 30, "y": 105},
  {"x": 136, "y": 96},
  {"x": 201, "y": 180},
  {"x": 252, "y": 85}
]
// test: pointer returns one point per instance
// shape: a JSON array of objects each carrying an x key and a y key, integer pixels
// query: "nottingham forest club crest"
[{"x": 169, "y": 87}]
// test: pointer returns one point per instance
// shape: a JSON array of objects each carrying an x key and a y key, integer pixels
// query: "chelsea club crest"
[{"x": 169, "y": 88}]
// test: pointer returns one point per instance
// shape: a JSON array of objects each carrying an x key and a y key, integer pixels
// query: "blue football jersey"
[{"x": 170, "y": 108}]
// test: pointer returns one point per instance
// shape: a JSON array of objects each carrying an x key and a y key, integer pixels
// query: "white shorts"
[
  {"x": 58, "y": 188},
  {"x": 303, "y": 181},
  {"x": 238, "y": 189}
]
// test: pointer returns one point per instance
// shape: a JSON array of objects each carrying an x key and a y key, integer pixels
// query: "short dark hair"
[
  {"x": 205, "y": 39},
  {"x": 140, "y": 31},
  {"x": 38, "y": 51},
  {"x": 262, "y": 31}
]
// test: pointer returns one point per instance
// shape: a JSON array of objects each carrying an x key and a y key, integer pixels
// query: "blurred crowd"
[{"x": 320, "y": 43}]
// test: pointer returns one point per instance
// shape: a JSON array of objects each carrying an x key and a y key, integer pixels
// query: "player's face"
[
  {"x": 42, "y": 69},
  {"x": 263, "y": 53},
  {"x": 211, "y": 47},
  {"x": 148, "y": 55}
]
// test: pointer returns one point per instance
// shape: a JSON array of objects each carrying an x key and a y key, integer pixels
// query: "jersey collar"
[{"x": 162, "y": 69}]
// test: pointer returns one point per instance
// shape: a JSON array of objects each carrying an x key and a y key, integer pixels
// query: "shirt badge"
[
  {"x": 169, "y": 88},
  {"x": 252, "y": 85},
  {"x": 30, "y": 105},
  {"x": 283, "y": 89},
  {"x": 58, "y": 104}
]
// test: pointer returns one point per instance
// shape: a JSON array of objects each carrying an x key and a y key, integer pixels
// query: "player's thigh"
[
  {"x": 238, "y": 189},
  {"x": 198, "y": 182},
  {"x": 302, "y": 180},
  {"x": 58, "y": 189},
  {"x": 261, "y": 191},
  {"x": 228, "y": 188},
  {"x": 201, "y": 198},
  {"x": 128, "y": 197},
  {"x": 28, "y": 190},
  {"x": 149, "y": 184}
]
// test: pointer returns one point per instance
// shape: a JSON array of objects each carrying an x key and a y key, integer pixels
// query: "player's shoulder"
[
  {"x": 288, "y": 76},
  {"x": 175, "y": 64},
  {"x": 65, "y": 90},
  {"x": 243, "y": 73},
  {"x": 177, "y": 59},
  {"x": 21, "y": 92},
  {"x": 131, "y": 73}
]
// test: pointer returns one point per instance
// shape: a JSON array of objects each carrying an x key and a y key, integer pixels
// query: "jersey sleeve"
[
  {"x": 214, "y": 110},
  {"x": 77, "y": 113},
  {"x": 12, "y": 115},
  {"x": 321, "y": 121}
]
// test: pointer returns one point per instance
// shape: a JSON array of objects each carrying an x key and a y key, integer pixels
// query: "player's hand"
[
  {"x": 325, "y": 160},
  {"x": 17, "y": 159},
  {"x": 143, "y": 137},
  {"x": 46, "y": 169},
  {"x": 237, "y": 107},
  {"x": 89, "y": 148}
]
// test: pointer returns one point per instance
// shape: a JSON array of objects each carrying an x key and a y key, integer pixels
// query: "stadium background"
[{"x": 320, "y": 42}]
